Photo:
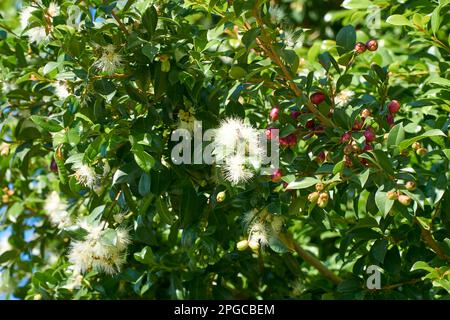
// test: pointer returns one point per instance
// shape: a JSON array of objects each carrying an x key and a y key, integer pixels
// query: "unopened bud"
[
  {"x": 404, "y": 199},
  {"x": 410, "y": 185},
  {"x": 242, "y": 245},
  {"x": 312, "y": 197},
  {"x": 392, "y": 195},
  {"x": 319, "y": 186},
  {"x": 221, "y": 196}
]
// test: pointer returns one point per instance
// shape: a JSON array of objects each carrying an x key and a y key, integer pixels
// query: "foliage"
[{"x": 92, "y": 90}]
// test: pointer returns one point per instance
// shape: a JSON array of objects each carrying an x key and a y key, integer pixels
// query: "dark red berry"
[
  {"x": 321, "y": 157},
  {"x": 274, "y": 113},
  {"x": 372, "y": 45},
  {"x": 394, "y": 106},
  {"x": 317, "y": 98},
  {"x": 367, "y": 147},
  {"x": 357, "y": 125},
  {"x": 53, "y": 166},
  {"x": 295, "y": 114},
  {"x": 310, "y": 124},
  {"x": 360, "y": 47},
  {"x": 390, "y": 119}
]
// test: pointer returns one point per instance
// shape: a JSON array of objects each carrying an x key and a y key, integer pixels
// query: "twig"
[
  {"x": 121, "y": 25},
  {"x": 427, "y": 237},
  {"x": 310, "y": 259}
]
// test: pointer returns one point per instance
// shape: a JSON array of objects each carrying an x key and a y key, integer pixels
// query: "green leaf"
[
  {"x": 431, "y": 133},
  {"x": 150, "y": 20},
  {"x": 50, "y": 66},
  {"x": 379, "y": 249},
  {"x": 302, "y": 184},
  {"x": 14, "y": 211},
  {"x": 109, "y": 237},
  {"x": 382, "y": 202},
  {"x": 396, "y": 135},
  {"x": 145, "y": 256},
  {"x": 144, "y": 184},
  {"x": 435, "y": 19},
  {"x": 104, "y": 86},
  {"x": 398, "y": 20},
  {"x": 249, "y": 37},
  {"x": 237, "y": 72},
  {"x": 346, "y": 39},
  {"x": 161, "y": 208},
  {"x": 363, "y": 177},
  {"x": 143, "y": 159},
  {"x": 383, "y": 160},
  {"x": 46, "y": 123}
]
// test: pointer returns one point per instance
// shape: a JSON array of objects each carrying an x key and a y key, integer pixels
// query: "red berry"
[
  {"x": 372, "y": 45},
  {"x": 346, "y": 137},
  {"x": 290, "y": 140},
  {"x": 367, "y": 147},
  {"x": 320, "y": 157},
  {"x": 276, "y": 176},
  {"x": 360, "y": 47},
  {"x": 295, "y": 114},
  {"x": 390, "y": 119},
  {"x": 394, "y": 106},
  {"x": 310, "y": 124},
  {"x": 369, "y": 135},
  {"x": 269, "y": 133},
  {"x": 274, "y": 113},
  {"x": 317, "y": 98}
]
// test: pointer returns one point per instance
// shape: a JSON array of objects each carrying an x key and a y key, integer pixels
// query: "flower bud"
[
  {"x": 254, "y": 245},
  {"x": 323, "y": 200},
  {"x": 312, "y": 197},
  {"x": 404, "y": 199},
  {"x": 221, "y": 196},
  {"x": 416, "y": 145},
  {"x": 365, "y": 113},
  {"x": 372, "y": 45},
  {"x": 360, "y": 47},
  {"x": 421, "y": 151},
  {"x": 319, "y": 186},
  {"x": 392, "y": 195},
  {"x": 242, "y": 245},
  {"x": 410, "y": 185}
]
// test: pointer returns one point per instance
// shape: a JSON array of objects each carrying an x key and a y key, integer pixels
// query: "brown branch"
[
  {"x": 264, "y": 43},
  {"x": 429, "y": 240},
  {"x": 121, "y": 25},
  {"x": 310, "y": 259}
]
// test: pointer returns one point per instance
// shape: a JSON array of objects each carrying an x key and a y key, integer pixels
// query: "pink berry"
[
  {"x": 369, "y": 135},
  {"x": 274, "y": 113},
  {"x": 317, "y": 98},
  {"x": 276, "y": 176},
  {"x": 367, "y": 147},
  {"x": 360, "y": 47},
  {"x": 372, "y": 45},
  {"x": 53, "y": 166},
  {"x": 269, "y": 133},
  {"x": 394, "y": 106},
  {"x": 346, "y": 137}
]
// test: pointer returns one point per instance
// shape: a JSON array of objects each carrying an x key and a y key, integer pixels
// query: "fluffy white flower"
[
  {"x": 61, "y": 90},
  {"x": 86, "y": 176},
  {"x": 56, "y": 209},
  {"x": 53, "y": 9},
  {"x": 25, "y": 15},
  {"x": 93, "y": 254},
  {"x": 343, "y": 97},
  {"x": 236, "y": 169},
  {"x": 37, "y": 35},
  {"x": 110, "y": 60},
  {"x": 258, "y": 233}
]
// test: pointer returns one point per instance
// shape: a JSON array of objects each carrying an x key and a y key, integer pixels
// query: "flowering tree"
[{"x": 96, "y": 203}]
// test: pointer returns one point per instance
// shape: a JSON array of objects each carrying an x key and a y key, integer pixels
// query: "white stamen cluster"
[
  {"x": 53, "y": 9},
  {"x": 25, "y": 15},
  {"x": 56, "y": 210},
  {"x": 37, "y": 35},
  {"x": 61, "y": 90},
  {"x": 94, "y": 254},
  {"x": 258, "y": 233},
  {"x": 86, "y": 176},
  {"x": 343, "y": 97},
  {"x": 237, "y": 144},
  {"x": 109, "y": 61}
]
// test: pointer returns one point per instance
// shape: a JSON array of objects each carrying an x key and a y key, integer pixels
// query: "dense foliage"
[{"x": 94, "y": 207}]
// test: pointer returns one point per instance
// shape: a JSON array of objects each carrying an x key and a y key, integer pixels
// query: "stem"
[
  {"x": 427, "y": 237},
  {"x": 121, "y": 25},
  {"x": 265, "y": 44},
  {"x": 310, "y": 259}
]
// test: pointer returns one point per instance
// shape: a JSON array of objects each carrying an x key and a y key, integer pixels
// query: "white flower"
[
  {"x": 25, "y": 15},
  {"x": 53, "y": 9},
  {"x": 61, "y": 90},
  {"x": 56, "y": 209},
  {"x": 234, "y": 135},
  {"x": 343, "y": 97},
  {"x": 258, "y": 233},
  {"x": 93, "y": 254},
  {"x": 37, "y": 35},
  {"x": 86, "y": 176},
  {"x": 236, "y": 170},
  {"x": 8, "y": 86},
  {"x": 110, "y": 60}
]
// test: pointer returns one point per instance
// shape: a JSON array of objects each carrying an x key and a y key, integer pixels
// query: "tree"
[{"x": 95, "y": 205}]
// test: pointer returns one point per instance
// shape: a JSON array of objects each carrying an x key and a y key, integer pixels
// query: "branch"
[
  {"x": 264, "y": 43},
  {"x": 310, "y": 259},
  {"x": 121, "y": 25},
  {"x": 429, "y": 240}
]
